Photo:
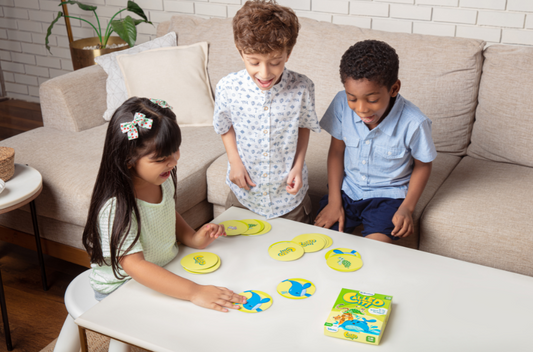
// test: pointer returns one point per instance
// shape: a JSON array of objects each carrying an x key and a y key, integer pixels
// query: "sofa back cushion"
[
  {"x": 438, "y": 74},
  {"x": 504, "y": 117}
]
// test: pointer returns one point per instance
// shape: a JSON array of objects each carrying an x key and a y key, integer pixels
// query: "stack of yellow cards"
[
  {"x": 201, "y": 262},
  {"x": 291, "y": 250},
  {"x": 344, "y": 259},
  {"x": 247, "y": 227}
]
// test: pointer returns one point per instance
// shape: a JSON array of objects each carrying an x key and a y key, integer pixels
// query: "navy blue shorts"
[{"x": 374, "y": 213}]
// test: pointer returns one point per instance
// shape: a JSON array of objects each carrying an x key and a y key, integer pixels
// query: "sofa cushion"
[
  {"x": 504, "y": 116},
  {"x": 115, "y": 87},
  {"x": 439, "y": 74},
  {"x": 69, "y": 163},
  {"x": 177, "y": 75},
  {"x": 483, "y": 197}
]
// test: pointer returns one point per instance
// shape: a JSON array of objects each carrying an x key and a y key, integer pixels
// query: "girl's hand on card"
[
  {"x": 239, "y": 176},
  {"x": 207, "y": 234},
  {"x": 217, "y": 298}
]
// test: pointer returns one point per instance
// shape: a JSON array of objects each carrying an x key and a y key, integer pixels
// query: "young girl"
[{"x": 133, "y": 228}]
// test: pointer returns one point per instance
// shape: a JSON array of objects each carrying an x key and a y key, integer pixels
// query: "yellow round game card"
[
  {"x": 286, "y": 251},
  {"x": 267, "y": 227},
  {"x": 344, "y": 262},
  {"x": 206, "y": 271},
  {"x": 342, "y": 251},
  {"x": 311, "y": 242},
  {"x": 256, "y": 301},
  {"x": 328, "y": 240},
  {"x": 234, "y": 227},
  {"x": 254, "y": 226},
  {"x": 199, "y": 261},
  {"x": 296, "y": 288}
]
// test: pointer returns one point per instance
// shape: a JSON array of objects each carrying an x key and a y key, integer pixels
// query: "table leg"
[
  {"x": 83, "y": 339},
  {"x": 7, "y": 333},
  {"x": 38, "y": 242}
]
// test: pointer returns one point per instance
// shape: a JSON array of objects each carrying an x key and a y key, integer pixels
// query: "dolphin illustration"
[
  {"x": 254, "y": 302},
  {"x": 336, "y": 251},
  {"x": 297, "y": 289},
  {"x": 360, "y": 326}
]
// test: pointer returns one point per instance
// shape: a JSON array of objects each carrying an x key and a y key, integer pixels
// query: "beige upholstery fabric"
[
  {"x": 503, "y": 130},
  {"x": 69, "y": 162},
  {"x": 76, "y": 101},
  {"x": 438, "y": 74},
  {"x": 177, "y": 75},
  {"x": 482, "y": 214}
]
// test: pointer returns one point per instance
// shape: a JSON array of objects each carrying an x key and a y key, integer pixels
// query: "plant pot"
[{"x": 82, "y": 58}]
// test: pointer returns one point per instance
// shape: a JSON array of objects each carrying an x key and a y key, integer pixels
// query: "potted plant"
[{"x": 125, "y": 29}]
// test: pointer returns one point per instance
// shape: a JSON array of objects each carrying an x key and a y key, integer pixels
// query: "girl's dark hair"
[
  {"x": 374, "y": 60},
  {"x": 115, "y": 176}
]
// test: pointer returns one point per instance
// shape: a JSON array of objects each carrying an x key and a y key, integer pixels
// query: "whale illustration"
[
  {"x": 297, "y": 289},
  {"x": 254, "y": 302},
  {"x": 360, "y": 326},
  {"x": 336, "y": 251}
]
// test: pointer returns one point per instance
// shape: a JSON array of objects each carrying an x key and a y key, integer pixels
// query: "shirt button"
[
  {"x": 265, "y": 193},
  {"x": 364, "y": 178},
  {"x": 389, "y": 153},
  {"x": 266, "y": 108},
  {"x": 265, "y": 154},
  {"x": 265, "y": 175},
  {"x": 367, "y": 142},
  {"x": 265, "y": 131},
  {"x": 364, "y": 162}
]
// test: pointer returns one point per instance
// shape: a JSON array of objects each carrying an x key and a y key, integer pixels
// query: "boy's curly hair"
[
  {"x": 374, "y": 60},
  {"x": 263, "y": 26}
]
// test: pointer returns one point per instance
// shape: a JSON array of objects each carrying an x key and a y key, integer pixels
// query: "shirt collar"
[{"x": 388, "y": 125}]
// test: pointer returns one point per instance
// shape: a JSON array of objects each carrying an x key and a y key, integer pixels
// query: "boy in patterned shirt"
[{"x": 264, "y": 114}]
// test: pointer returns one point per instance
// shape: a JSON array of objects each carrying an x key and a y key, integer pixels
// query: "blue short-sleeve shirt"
[
  {"x": 266, "y": 130},
  {"x": 379, "y": 162}
]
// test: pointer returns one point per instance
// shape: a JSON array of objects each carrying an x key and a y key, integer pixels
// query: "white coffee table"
[{"x": 439, "y": 304}]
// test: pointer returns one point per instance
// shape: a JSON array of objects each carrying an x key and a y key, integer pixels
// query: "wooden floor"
[{"x": 35, "y": 316}]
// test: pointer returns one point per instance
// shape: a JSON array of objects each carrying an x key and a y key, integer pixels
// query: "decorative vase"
[{"x": 85, "y": 57}]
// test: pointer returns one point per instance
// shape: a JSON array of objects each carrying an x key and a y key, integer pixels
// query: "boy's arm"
[
  {"x": 238, "y": 174},
  {"x": 334, "y": 211},
  {"x": 403, "y": 219},
  {"x": 294, "y": 181}
]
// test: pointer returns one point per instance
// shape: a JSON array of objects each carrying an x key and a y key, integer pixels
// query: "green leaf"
[
  {"x": 126, "y": 30},
  {"x": 80, "y": 5},
  {"x": 133, "y": 7},
  {"x": 49, "y": 30}
]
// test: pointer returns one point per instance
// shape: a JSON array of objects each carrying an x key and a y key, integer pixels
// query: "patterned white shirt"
[{"x": 266, "y": 128}]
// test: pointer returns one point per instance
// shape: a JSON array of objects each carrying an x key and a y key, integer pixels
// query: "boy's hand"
[
  {"x": 217, "y": 298},
  {"x": 329, "y": 216},
  {"x": 239, "y": 176},
  {"x": 403, "y": 223},
  {"x": 294, "y": 181},
  {"x": 207, "y": 234}
]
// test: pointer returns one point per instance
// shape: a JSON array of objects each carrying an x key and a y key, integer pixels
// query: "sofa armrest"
[{"x": 75, "y": 101}]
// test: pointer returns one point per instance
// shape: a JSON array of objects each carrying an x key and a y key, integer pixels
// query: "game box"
[{"x": 359, "y": 316}]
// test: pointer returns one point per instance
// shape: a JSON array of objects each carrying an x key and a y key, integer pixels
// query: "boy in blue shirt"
[
  {"x": 381, "y": 148},
  {"x": 264, "y": 114}
]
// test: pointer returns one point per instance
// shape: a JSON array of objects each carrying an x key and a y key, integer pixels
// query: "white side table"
[{"x": 25, "y": 185}]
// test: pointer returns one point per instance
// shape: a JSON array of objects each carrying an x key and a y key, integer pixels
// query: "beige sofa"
[{"x": 476, "y": 207}]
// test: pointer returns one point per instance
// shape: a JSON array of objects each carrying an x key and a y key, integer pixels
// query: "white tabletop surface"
[
  {"x": 26, "y": 181},
  {"x": 439, "y": 304}
]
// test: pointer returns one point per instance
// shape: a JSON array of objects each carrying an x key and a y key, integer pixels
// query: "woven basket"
[{"x": 7, "y": 163}]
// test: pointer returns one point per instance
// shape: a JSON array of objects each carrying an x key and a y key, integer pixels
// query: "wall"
[{"x": 26, "y": 63}]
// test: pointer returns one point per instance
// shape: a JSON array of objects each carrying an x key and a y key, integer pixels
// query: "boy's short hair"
[
  {"x": 374, "y": 60},
  {"x": 263, "y": 26}
]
